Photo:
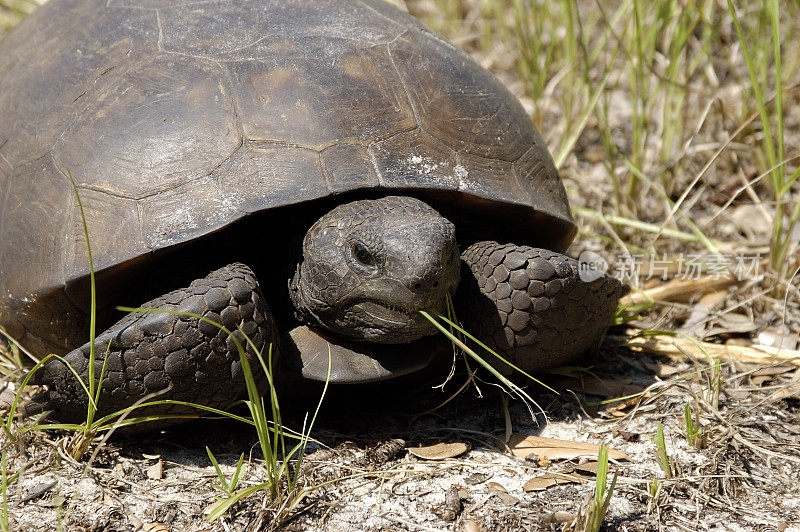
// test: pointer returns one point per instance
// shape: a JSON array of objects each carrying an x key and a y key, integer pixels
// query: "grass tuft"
[
  {"x": 225, "y": 485},
  {"x": 656, "y": 86},
  {"x": 5, "y": 482},
  {"x": 590, "y": 517},
  {"x": 661, "y": 451},
  {"x": 759, "y": 52},
  {"x": 694, "y": 434}
]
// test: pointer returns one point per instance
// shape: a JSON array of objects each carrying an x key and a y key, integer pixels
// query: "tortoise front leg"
[
  {"x": 168, "y": 355},
  {"x": 531, "y": 306}
]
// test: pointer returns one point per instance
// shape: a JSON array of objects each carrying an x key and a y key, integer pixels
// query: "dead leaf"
[
  {"x": 772, "y": 370},
  {"x": 156, "y": 471},
  {"x": 547, "y": 449},
  {"x": 496, "y": 486},
  {"x": 768, "y": 374},
  {"x": 589, "y": 468},
  {"x": 627, "y": 436},
  {"x": 501, "y": 493},
  {"x": 734, "y": 322},
  {"x": 440, "y": 451},
  {"x": 37, "y": 491},
  {"x": 477, "y": 478},
  {"x": 155, "y": 527},
  {"x": 695, "y": 324},
  {"x": 790, "y": 389},
  {"x": 550, "y": 479},
  {"x": 731, "y": 323},
  {"x": 758, "y": 380},
  {"x": 775, "y": 338},
  {"x": 712, "y": 298}
]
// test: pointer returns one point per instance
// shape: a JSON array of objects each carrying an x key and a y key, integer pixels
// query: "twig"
[
  {"x": 677, "y": 347},
  {"x": 679, "y": 289}
]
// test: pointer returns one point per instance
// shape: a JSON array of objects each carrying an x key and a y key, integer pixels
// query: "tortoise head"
[{"x": 368, "y": 268}]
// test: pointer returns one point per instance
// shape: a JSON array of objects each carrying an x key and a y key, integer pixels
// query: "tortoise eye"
[{"x": 362, "y": 254}]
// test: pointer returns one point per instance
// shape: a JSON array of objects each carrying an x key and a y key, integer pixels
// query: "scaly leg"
[
  {"x": 531, "y": 306},
  {"x": 176, "y": 357}
]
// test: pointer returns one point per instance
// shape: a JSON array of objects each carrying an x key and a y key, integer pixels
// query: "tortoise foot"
[
  {"x": 531, "y": 306},
  {"x": 162, "y": 355}
]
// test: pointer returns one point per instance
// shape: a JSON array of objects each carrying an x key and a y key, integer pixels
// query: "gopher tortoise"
[{"x": 296, "y": 170}]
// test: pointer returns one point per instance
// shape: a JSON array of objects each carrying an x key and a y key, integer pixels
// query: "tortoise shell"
[{"x": 178, "y": 117}]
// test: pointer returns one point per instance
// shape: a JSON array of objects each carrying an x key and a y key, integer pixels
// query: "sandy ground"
[{"x": 744, "y": 478}]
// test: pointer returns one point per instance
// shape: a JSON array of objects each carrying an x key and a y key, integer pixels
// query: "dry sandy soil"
[{"x": 744, "y": 477}]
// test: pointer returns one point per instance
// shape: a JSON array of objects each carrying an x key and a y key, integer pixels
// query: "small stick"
[
  {"x": 677, "y": 347},
  {"x": 679, "y": 290}
]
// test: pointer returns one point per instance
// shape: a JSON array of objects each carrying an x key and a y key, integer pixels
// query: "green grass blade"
[
  {"x": 491, "y": 369},
  {"x": 755, "y": 85},
  {"x": 223, "y": 507},
  {"x": 490, "y": 351},
  {"x": 774, "y": 9},
  {"x": 572, "y": 139},
  {"x": 220, "y": 474},
  {"x": 93, "y": 304},
  {"x": 237, "y": 473},
  {"x": 661, "y": 451},
  {"x": 204, "y": 408}
]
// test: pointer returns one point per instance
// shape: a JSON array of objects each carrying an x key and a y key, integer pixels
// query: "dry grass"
[
  {"x": 12, "y": 11},
  {"x": 678, "y": 147},
  {"x": 652, "y": 116}
]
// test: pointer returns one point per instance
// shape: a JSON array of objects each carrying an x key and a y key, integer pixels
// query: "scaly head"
[{"x": 368, "y": 268}]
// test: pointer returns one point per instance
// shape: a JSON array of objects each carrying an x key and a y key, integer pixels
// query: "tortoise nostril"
[{"x": 426, "y": 286}]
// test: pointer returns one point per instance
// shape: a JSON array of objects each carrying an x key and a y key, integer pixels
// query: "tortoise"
[{"x": 301, "y": 171}]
